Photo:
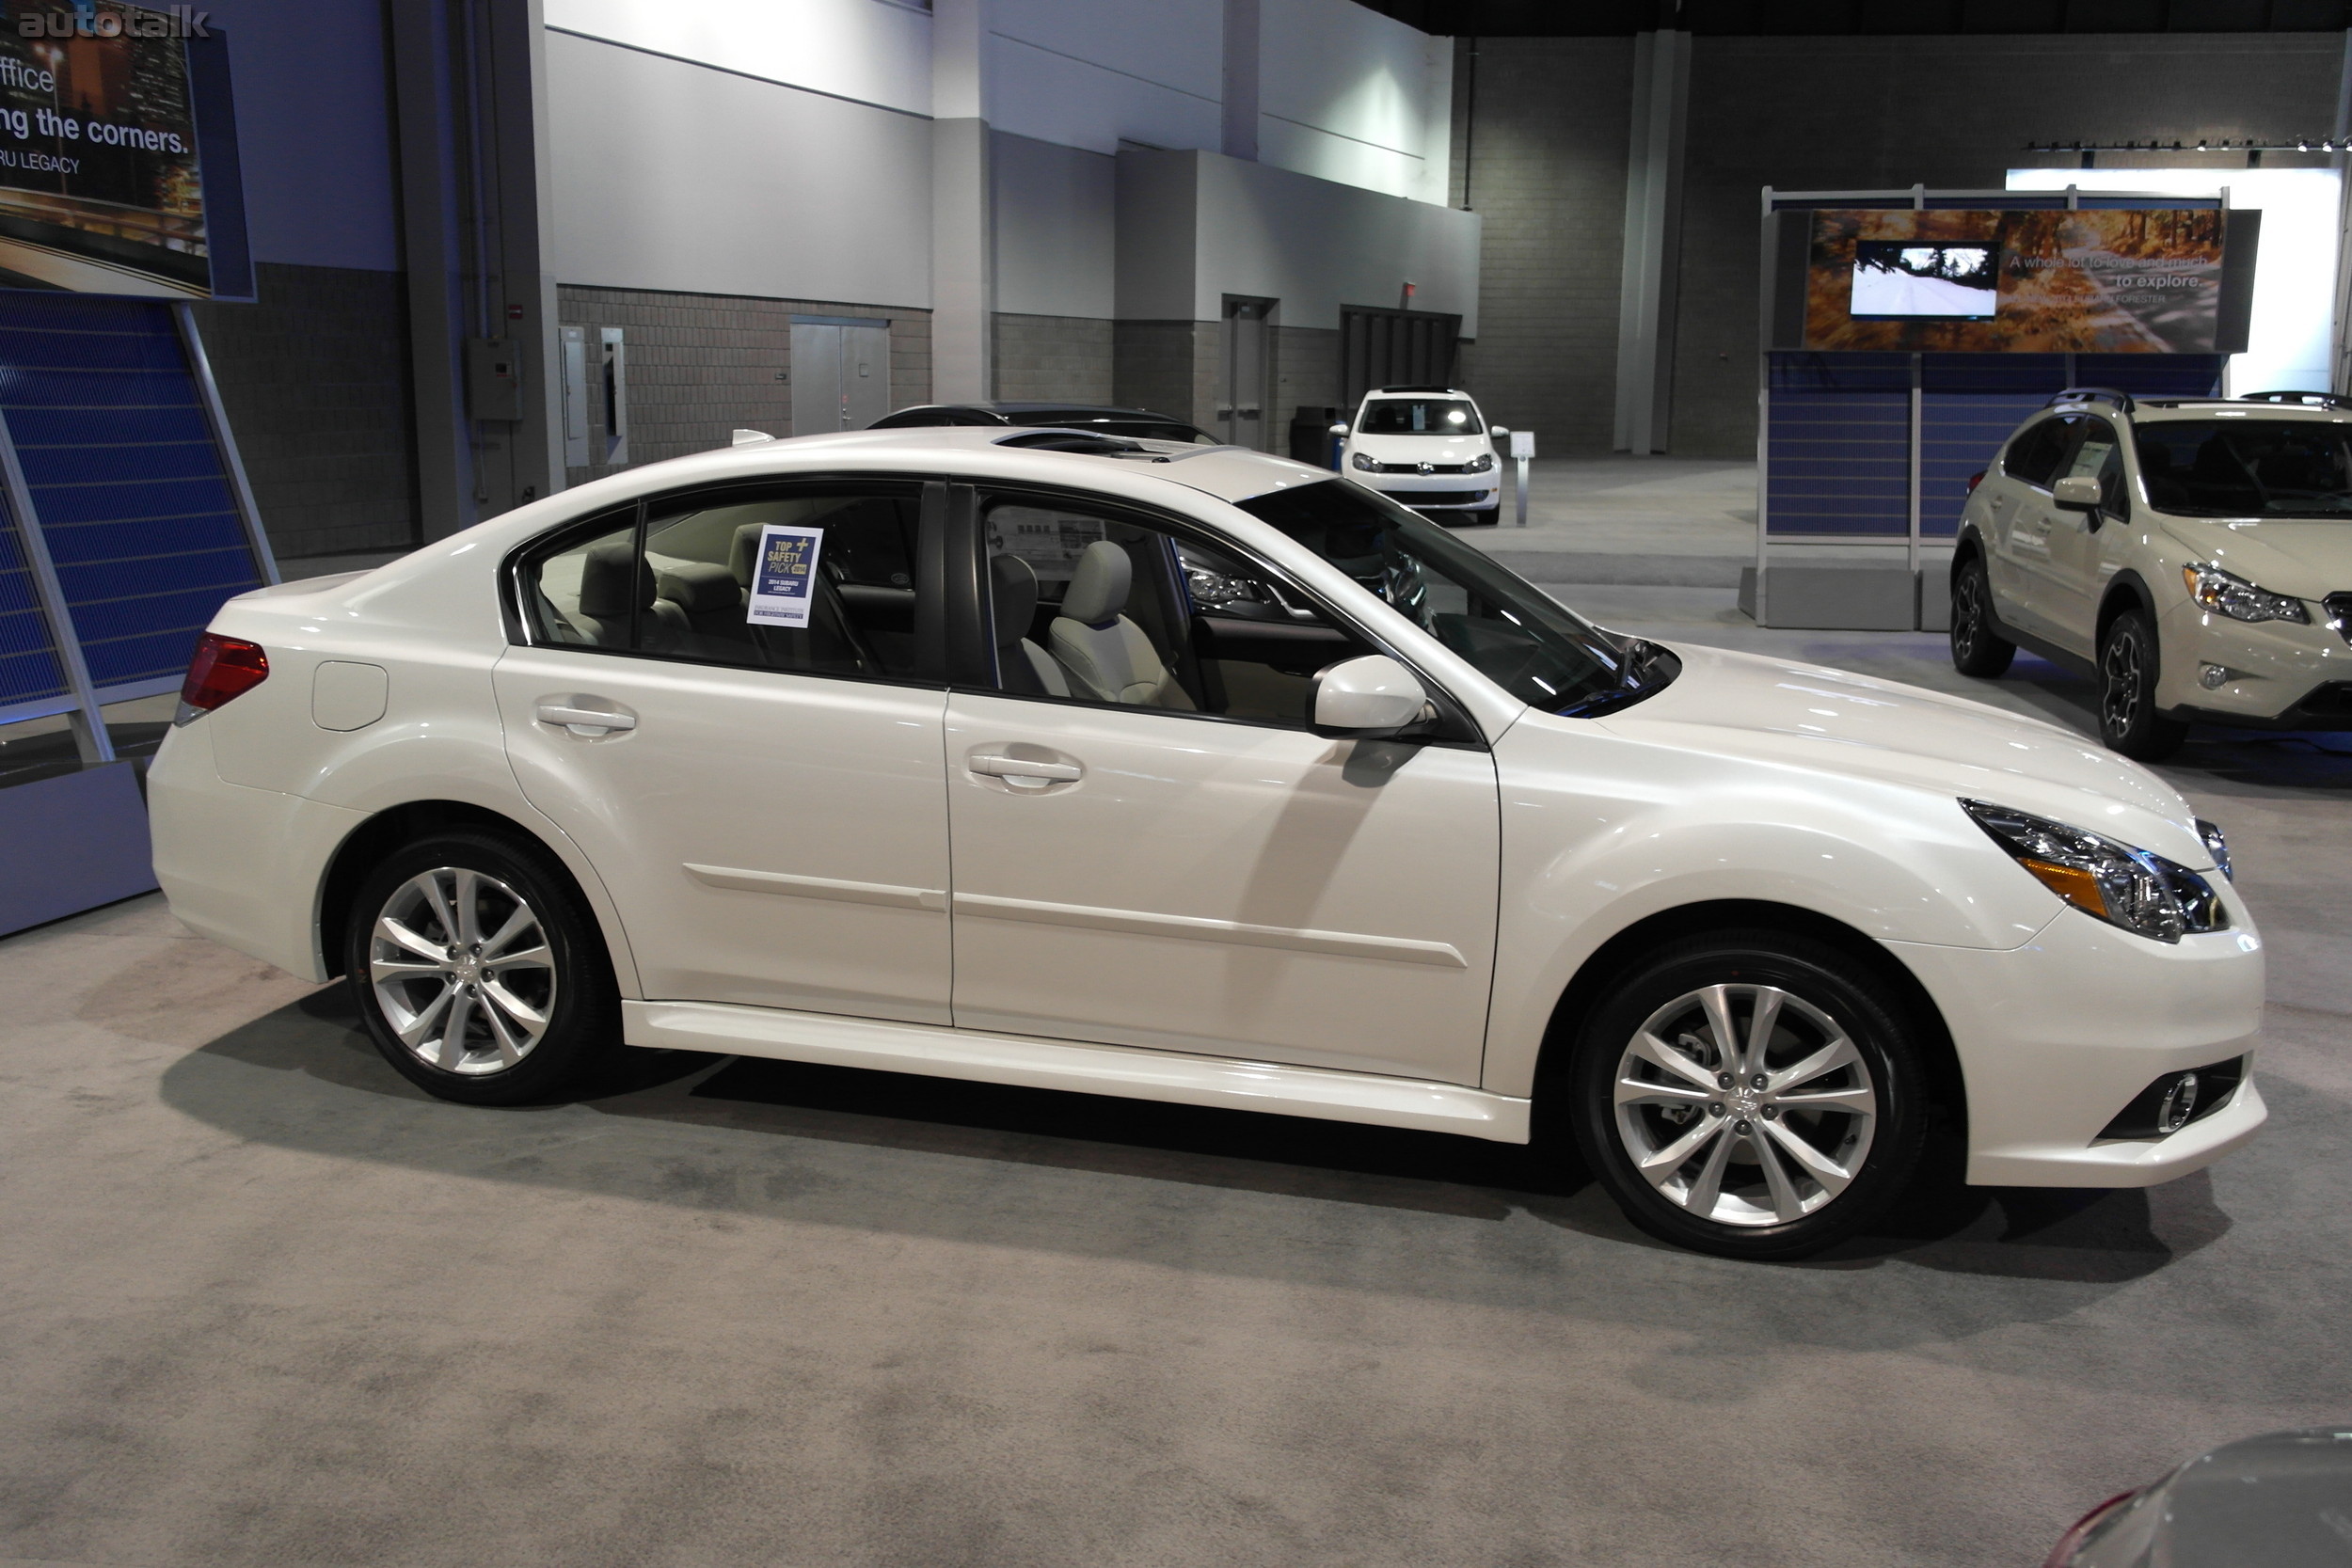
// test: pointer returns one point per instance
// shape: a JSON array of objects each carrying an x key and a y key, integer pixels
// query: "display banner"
[
  {"x": 102, "y": 164},
  {"x": 2115, "y": 281}
]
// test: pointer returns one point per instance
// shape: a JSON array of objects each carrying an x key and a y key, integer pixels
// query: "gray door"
[
  {"x": 816, "y": 378},
  {"x": 865, "y": 376},
  {"x": 1242, "y": 407}
]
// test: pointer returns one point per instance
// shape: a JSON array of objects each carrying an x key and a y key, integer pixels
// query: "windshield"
[
  {"x": 1519, "y": 636},
  {"x": 2247, "y": 467},
  {"x": 1418, "y": 416}
]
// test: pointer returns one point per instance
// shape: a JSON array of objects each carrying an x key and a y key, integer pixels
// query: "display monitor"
[{"x": 1909, "y": 280}]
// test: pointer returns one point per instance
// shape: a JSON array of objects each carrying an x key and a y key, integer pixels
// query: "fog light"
[
  {"x": 2211, "y": 676},
  {"x": 2178, "y": 1104}
]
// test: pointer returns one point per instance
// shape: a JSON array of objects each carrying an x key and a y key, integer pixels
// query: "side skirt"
[{"x": 1027, "y": 1062}]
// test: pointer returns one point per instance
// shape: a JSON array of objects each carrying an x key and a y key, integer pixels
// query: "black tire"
[
  {"x": 1824, "y": 995},
  {"x": 1977, "y": 649},
  {"x": 2129, "y": 663},
  {"x": 1487, "y": 518},
  {"x": 494, "y": 995}
]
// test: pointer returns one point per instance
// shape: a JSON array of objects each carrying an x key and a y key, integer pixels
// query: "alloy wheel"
[
  {"x": 461, "y": 966},
  {"x": 2119, "y": 702},
  {"x": 1968, "y": 614},
  {"x": 1745, "y": 1105}
]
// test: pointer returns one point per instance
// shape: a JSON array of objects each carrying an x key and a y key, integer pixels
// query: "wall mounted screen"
[
  {"x": 2136, "y": 280},
  {"x": 118, "y": 163}
]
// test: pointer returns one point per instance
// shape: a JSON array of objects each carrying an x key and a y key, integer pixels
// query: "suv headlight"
[
  {"x": 1364, "y": 463},
  {"x": 2225, "y": 594},
  {"x": 1479, "y": 464},
  {"x": 2141, "y": 892}
]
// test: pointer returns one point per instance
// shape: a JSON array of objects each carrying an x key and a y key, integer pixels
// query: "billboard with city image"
[
  {"x": 2114, "y": 280},
  {"x": 102, "y": 167}
]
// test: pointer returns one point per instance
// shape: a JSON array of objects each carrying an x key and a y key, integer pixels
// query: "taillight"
[
  {"x": 1975, "y": 479},
  {"x": 224, "y": 666}
]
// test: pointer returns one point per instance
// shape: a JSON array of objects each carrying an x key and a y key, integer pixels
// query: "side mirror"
[
  {"x": 1373, "y": 693},
  {"x": 1497, "y": 430},
  {"x": 1339, "y": 430},
  {"x": 2075, "y": 495}
]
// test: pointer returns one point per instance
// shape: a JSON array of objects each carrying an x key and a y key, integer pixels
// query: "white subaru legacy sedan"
[{"x": 1191, "y": 774}]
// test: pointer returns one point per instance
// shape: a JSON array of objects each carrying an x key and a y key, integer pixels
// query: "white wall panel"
[
  {"x": 873, "y": 50},
  {"x": 1057, "y": 228},
  {"x": 1332, "y": 74},
  {"x": 1041, "y": 93},
  {"x": 671, "y": 176},
  {"x": 1168, "y": 43}
]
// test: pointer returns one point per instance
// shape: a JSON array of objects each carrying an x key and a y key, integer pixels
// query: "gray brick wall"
[
  {"x": 1052, "y": 358},
  {"x": 1306, "y": 370},
  {"x": 703, "y": 365},
  {"x": 315, "y": 383},
  {"x": 1545, "y": 164},
  {"x": 1152, "y": 365},
  {"x": 1868, "y": 113}
]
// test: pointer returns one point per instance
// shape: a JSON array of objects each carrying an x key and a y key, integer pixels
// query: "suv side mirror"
[
  {"x": 1372, "y": 695},
  {"x": 2075, "y": 495}
]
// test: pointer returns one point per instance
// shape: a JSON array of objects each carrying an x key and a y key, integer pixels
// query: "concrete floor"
[{"x": 265, "y": 1304}]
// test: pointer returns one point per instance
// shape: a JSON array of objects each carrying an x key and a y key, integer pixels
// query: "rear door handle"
[
  {"x": 575, "y": 715},
  {"x": 1022, "y": 768}
]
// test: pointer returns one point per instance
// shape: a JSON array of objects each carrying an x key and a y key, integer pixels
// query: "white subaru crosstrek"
[
  {"x": 2193, "y": 555},
  {"x": 1192, "y": 774},
  {"x": 1429, "y": 448}
]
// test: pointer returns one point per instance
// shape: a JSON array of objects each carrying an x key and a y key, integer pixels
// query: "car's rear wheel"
[
  {"x": 2128, "y": 666},
  {"x": 1977, "y": 648},
  {"x": 1751, "y": 1094},
  {"x": 478, "y": 973}
]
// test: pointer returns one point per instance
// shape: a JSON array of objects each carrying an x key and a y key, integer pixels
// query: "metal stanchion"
[{"x": 1522, "y": 452}]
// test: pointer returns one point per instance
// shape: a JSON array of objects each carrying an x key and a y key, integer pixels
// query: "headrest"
[
  {"x": 700, "y": 585},
  {"x": 742, "y": 553},
  {"x": 605, "y": 574},
  {"x": 1097, "y": 590},
  {"x": 1012, "y": 589}
]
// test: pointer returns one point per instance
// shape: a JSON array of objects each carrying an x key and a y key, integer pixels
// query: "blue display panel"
[
  {"x": 124, "y": 476},
  {"x": 28, "y": 659},
  {"x": 1839, "y": 444}
]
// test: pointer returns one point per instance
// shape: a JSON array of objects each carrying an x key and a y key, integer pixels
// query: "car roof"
[
  {"x": 1000, "y": 406},
  {"x": 1378, "y": 392}
]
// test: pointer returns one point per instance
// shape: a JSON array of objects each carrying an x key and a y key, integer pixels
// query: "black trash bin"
[{"x": 1311, "y": 435}]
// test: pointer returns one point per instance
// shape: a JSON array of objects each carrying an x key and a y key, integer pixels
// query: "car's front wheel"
[
  {"x": 2128, "y": 666},
  {"x": 478, "y": 973},
  {"x": 1750, "y": 1094},
  {"x": 1977, "y": 648}
]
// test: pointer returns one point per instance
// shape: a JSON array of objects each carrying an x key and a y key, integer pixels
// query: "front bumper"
[
  {"x": 1438, "y": 491},
  {"x": 2057, "y": 1036},
  {"x": 2279, "y": 674}
]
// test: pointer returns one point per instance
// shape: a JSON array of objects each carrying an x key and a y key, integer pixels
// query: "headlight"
[
  {"x": 1480, "y": 464},
  {"x": 1364, "y": 463},
  {"x": 2240, "y": 600},
  {"x": 2142, "y": 893},
  {"x": 2218, "y": 845}
]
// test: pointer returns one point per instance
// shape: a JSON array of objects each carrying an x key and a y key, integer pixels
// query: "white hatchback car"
[
  {"x": 1430, "y": 447},
  {"x": 1192, "y": 774}
]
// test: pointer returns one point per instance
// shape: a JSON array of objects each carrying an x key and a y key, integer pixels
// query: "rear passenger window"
[
  {"x": 2034, "y": 456},
  {"x": 821, "y": 582}
]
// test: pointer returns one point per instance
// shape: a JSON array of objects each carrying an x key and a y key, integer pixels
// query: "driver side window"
[{"x": 1091, "y": 607}]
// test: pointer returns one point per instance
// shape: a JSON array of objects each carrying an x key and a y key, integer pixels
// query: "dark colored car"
[
  {"x": 1140, "y": 424},
  {"x": 2283, "y": 1500}
]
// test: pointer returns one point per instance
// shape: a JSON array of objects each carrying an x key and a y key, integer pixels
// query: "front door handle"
[
  {"x": 1022, "y": 768},
  {"x": 576, "y": 715}
]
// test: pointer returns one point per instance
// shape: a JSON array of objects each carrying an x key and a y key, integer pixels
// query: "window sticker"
[{"x": 784, "y": 578}]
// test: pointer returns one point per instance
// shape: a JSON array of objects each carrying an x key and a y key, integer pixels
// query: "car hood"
[
  {"x": 2308, "y": 558},
  {"x": 1833, "y": 721},
  {"x": 1419, "y": 448}
]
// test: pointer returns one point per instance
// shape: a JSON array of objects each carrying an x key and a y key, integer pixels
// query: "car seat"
[
  {"x": 1021, "y": 664},
  {"x": 609, "y": 578},
  {"x": 1106, "y": 655}
]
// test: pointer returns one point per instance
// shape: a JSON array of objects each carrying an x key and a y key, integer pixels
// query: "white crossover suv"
[
  {"x": 1192, "y": 774},
  {"x": 2194, "y": 556},
  {"x": 1429, "y": 448}
]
